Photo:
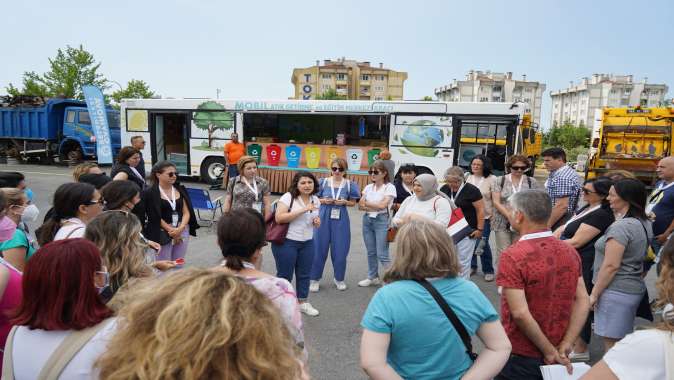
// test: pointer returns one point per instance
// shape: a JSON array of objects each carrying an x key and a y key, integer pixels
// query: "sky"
[{"x": 190, "y": 48}]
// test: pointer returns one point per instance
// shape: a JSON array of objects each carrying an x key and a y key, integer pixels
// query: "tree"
[
  {"x": 568, "y": 136},
  {"x": 427, "y": 98},
  {"x": 69, "y": 71},
  {"x": 211, "y": 121},
  {"x": 135, "y": 89},
  {"x": 330, "y": 94}
]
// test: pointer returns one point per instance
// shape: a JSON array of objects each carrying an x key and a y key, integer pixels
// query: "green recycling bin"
[
  {"x": 255, "y": 150},
  {"x": 372, "y": 156}
]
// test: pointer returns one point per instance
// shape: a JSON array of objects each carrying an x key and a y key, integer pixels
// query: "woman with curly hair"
[{"x": 202, "y": 324}]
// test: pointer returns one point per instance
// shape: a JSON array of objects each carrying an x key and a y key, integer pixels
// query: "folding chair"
[{"x": 201, "y": 200}]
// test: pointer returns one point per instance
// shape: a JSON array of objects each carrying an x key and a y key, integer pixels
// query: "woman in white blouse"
[{"x": 426, "y": 202}]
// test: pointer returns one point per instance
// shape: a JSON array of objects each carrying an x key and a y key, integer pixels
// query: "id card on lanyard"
[
  {"x": 257, "y": 205},
  {"x": 335, "y": 211},
  {"x": 175, "y": 218},
  {"x": 655, "y": 197}
]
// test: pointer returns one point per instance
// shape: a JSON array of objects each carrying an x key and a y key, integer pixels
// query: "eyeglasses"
[
  {"x": 338, "y": 170},
  {"x": 587, "y": 191},
  {"x": 375, "y": 172},
  {"x": 171, "y": 174},
  {"x": 106, "y": 276},
  {"x": 98, "y": 202},
  {"x": 519, "y": 168}
]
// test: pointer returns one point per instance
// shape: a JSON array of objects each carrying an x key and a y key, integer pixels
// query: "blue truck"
[{"x": 51, "y": 129}]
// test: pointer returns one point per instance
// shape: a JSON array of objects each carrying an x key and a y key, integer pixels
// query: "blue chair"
[{"x": 201, "y": 200}]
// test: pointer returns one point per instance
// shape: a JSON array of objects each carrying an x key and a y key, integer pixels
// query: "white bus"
[{"x": 290, "y": 135}]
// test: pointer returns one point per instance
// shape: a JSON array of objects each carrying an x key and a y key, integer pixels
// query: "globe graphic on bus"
[{"x": 421, "y": 138}]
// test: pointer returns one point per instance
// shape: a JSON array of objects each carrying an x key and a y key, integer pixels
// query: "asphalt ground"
[{"x": 332, "y": 338}]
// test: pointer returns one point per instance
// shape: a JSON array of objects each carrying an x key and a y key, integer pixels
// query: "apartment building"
[
  {"x": 577, "y": 103},
  {"x": 488, "y": 86},
  {"x": 348, "y": 78}
]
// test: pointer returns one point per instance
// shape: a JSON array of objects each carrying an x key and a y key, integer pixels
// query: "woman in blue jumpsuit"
[{"x": 336, "y": 193}]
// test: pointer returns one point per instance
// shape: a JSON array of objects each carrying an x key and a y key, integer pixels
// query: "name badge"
[
  {"x": 174, "y": 219},
  {"x": 257, "y": 206},
  {"x": 334, "y": 213}
]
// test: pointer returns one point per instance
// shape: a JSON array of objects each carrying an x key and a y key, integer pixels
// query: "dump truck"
[
  {"x": 632, "y": 139},
  {"x": 50, "y": 129}
]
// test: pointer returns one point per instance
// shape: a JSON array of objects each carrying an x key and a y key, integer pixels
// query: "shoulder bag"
[
  {"x": 276, "y": 232},
  {"x": 453, "y": 319}
]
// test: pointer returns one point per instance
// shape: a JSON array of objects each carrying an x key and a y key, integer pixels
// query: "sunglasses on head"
[
  {"x": 375, "y": 172},
  {"x": 335, "y": 169},
  {"x": 522, "y": 168}
]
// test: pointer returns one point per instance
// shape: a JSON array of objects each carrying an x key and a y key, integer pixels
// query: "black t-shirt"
[
  {"x": 464, "y": 201},
  {"x": 401, "y": 193},
  {"x": 600, "y": 219},
  {"x": 167, "y": 211}
]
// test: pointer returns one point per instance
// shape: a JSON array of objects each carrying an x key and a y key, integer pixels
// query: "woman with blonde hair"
[
  {"x": 336, "y": 193},
  {"x": 117, "y": 234},
  {"x": 20, "y": 247},
  {"x": 201, "y": 324},
  {"x": 645, "y": 354},
  {"x": 248, "y": 190},
  {"x": 407, "y": 334}
]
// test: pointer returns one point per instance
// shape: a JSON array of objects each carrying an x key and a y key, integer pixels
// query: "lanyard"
[
  {"x": 582, "y": 214},
  {"x": 536, "y": 235},
  {"x": 339, "y": 190},
  {"x": 252, "y": 188},
  {"x": 302, "y": 204},
  {"x": 10, "y": 266},
  {"x": 518, "y": 188},
  {"x": 662, "y": 187},
  {"x": 137, "y": 173},
  {"x": 453, "y": 196},
  {"x": 406, "y": 188},
  {"x": 172, "y": 200},
  {"x": 479, "y": 183}
]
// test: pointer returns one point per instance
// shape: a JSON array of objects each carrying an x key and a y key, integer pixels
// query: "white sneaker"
[
  {"x": 341, "y": 285},
  {"x": 314, "y": 286},
  {"x": 307, "y": 309},
  {"x": 369, "y": 282}
]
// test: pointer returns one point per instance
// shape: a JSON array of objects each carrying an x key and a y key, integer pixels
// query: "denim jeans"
[
  {"x": 295, "y": 257},
  {"x": 374, "y": 236},
  {"x": 485, "y": 258}
]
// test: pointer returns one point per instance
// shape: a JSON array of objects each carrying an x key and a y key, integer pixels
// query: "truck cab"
[{"x": 78, "y": 139}]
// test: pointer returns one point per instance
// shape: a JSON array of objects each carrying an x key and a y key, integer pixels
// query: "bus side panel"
[{"x": 424, "y": 140}]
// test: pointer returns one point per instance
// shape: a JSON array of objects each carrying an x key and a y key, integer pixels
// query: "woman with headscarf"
[{"x": 426, "y": 202}]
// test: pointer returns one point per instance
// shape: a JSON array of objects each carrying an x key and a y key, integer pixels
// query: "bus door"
[
  {"x": 170, "y": 139},
  {"x": 489, "y": 136},
  {"x": 424, "y": 140}
]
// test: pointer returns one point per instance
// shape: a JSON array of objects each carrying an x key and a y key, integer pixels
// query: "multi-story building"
[
  {"x": 350, "y": 79},
  {"x": 494, "y": 87},
  {"x": 577, "y": 103}
]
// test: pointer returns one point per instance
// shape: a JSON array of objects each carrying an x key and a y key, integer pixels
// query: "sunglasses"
[
  {"x": 519, "y": 168},
  {"x": 587, "y": 191},
  {"x": 98, "y": 202},
  {"x": 338, "y": 170},
  {"x": 375, "y": 172},
  {"x": 171, "y": 174}
]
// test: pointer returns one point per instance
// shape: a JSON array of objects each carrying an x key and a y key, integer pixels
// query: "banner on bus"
[{"x": 99, "y": 123}]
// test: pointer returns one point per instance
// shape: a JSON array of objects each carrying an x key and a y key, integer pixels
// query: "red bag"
[{"x": 276, "y": 232}]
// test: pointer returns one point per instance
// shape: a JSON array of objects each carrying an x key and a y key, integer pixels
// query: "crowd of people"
[{"x": 105, "y": 297}]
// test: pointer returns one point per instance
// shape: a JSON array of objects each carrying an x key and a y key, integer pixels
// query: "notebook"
[{"x": 558, "y": 372}]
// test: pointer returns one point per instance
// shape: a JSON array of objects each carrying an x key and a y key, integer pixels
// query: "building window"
[
  {"x": 497, "y": 89},
  {"x": 378, "y": 98},
  {"x": 364, "y": 77},
  {"x": 326, "y": 76},
  {"x": 380, "y": 77},
  {"x": 496, "y": 99},
  {"x": 528, "y": 89},
  {"x": 341, "y": 76},
  {"x": 484, "y": 99}
]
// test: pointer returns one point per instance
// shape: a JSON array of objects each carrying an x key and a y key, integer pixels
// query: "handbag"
[
  {"x": 391, "y": 234},
  {"x": 276, "y": 232},
  {"x": 453, "y": 319}
]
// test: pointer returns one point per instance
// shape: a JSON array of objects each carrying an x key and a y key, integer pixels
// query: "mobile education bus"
[{"x": 290, "y": 135}]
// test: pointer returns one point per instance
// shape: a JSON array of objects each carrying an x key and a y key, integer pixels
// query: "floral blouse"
[{"x": 242, "y": 195}]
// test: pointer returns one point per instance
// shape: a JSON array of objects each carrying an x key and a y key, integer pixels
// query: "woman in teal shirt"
[
  {"x": 407, "y": 335},
  {"x": 19, "y": 248}
]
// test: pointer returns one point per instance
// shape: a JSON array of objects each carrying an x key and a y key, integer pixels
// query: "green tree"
[
  {"x": 211, "y": 121},
  {"x": 135, "y": 89},
  {"x": 427, "y": 98},
  {"x": 330, "y": 94},
  {"x": 68, "y": 71},
  {"x": 567, "y": 136}
]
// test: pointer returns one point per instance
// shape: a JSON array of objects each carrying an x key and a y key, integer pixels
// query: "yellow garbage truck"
[{"x": 632, "y": 139}]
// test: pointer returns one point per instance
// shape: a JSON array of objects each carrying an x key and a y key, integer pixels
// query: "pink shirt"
[{"x": 10, "y": 300}]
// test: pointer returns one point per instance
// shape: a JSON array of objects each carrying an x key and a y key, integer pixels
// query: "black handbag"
[{"x": 458, "y": 326}]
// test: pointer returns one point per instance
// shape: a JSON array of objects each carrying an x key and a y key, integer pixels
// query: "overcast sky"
[{"x": 249, "y": 48}]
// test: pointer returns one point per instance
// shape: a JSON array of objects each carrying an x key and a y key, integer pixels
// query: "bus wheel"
[{"x": 212, "y": 170}]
